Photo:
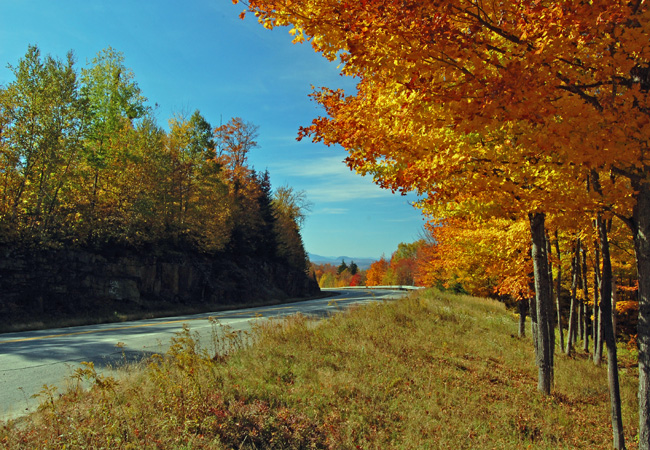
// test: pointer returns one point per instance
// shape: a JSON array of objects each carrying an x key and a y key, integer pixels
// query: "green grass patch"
[{"x": 432, "y": 371}]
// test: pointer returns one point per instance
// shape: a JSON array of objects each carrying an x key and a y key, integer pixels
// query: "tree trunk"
[
  {"x": 640, "y": 225},
  {"x": 532, "y": 311},
  {"x": 581, "y": 316},
  {"x": 580, "y": 333},
  {"x": 522, "y": 306},
  {"x": 558, "y": 290},
  {"x": 542, "y": 295},
  {"x": 614, "y": 299},
  {"x": 585, "y": 315},
  {"x": 598, "y": 323},
  {"x": 608, "y": 334},
  {"x": 549, "y": 305},
  {"x": 573, "y": 314}
]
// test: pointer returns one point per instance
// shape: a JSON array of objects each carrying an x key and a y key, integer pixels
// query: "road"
[{"x": 29, "y": 360}]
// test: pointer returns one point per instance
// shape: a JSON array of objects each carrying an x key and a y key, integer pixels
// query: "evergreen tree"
[{"x": 268, "y": 240}]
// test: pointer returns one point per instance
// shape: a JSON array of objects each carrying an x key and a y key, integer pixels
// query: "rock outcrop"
[{"x": 69, "y": 282}]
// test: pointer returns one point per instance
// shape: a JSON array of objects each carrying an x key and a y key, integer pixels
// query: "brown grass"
[{"x": 433, "y": 371}]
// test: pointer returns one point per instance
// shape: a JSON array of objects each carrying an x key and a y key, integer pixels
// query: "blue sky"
[{"x": 200, "y": 55}]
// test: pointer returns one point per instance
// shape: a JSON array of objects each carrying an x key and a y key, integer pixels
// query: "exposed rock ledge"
[{"x": 80, "y": 282}]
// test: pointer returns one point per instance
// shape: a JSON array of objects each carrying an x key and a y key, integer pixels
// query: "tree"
[
  {"x": 376, "y": 272},
  {"x": 40, "y": 141},
  {"x": 233, "y": 142},
  {"x": 114, "y": 102},
  {"x": 189, "y": 145},
  {"x": 577, "y": 72},
  {"x": 292, "y": 203},
  {"x": 290, "y": 209}
]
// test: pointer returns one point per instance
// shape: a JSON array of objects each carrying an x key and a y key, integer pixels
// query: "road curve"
[{"x": 29, "y": 360}]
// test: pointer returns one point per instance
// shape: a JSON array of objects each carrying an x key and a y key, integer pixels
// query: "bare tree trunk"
[
  {"x": 580, "y": 332},
  {"x": 581, "y": 316},
  {"x": 573, "y": 314},
  {"x": 558, "y": 290},
  {"x": 608, "y": 334},
  {"x": 532, "y": 311},
  {"x": 585, "y": 315},
  {"x": 598, "y": 322},
  {"x": 522, "y": 307},
  {"x": 549, "y": 305},
  {"x": 614, "y": 300},
  {"x": 640, "y": 226},
  {"x": 542, "y": 296}
]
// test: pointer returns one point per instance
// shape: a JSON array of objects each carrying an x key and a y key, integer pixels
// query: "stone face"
[{"x": 71, "y": 281}]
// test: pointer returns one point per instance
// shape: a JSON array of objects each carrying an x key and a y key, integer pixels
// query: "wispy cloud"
[
  {"x": 351, "y": 191},
  {"x": 328, "y": 180},
  {"x": 332, "y": 211},
  {"x": 329, "y": 166}
]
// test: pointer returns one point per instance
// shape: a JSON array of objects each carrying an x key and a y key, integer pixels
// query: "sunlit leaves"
[
  {"x": 41, "y": 140},
  {"x": 85, "y": 164}
]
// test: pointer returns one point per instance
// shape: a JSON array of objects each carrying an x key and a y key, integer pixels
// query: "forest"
[
  {"x": 84, "y": 165},
  {"x": 83, "y": 162},
  {"x": 402, "y": 269},
  {"x": 524, "y": 126}
]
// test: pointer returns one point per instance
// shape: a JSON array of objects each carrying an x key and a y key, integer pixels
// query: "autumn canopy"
[{"x": 512, "y": 110}]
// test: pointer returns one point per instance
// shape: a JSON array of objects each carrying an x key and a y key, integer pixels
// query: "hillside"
[
  {"x": 433, "y": 371},
  {"x": 103, "y": 212}
]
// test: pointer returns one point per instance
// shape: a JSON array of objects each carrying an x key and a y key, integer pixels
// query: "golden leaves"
[{"x": 515, "y": 102}]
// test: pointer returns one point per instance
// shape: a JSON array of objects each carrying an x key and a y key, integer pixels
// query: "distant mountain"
[{"x": 363, "y": 263}]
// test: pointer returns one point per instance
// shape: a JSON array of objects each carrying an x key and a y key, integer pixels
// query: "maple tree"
[
  {"x": 575, "y": 71},
  {"x": 376, "y": 272}
]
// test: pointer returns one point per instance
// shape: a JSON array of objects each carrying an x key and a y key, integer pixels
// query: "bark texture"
[
  {"x": 558, "y": 290},
  {"x": 523, "y": 307},
  {"x": 640, "y": 225},
  {"x": 598, "y": 323},
  {"x": 573, "y": 316},
  {"x": 610, "y": 341},
  {"x": 583, "y": 305},
  {"x": 544, "y": 347}
]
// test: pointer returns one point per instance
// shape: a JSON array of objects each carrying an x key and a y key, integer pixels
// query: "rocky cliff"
[{"x": 83, "y": 282}]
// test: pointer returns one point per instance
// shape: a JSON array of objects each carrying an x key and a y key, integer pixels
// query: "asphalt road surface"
[{"x": 32, "y": 359}]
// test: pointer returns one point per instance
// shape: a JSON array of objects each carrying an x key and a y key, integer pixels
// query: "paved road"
[{"x": 31, "y": 359}]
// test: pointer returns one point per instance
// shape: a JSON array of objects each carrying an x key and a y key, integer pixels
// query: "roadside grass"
[{"x": 433, "y": 371}]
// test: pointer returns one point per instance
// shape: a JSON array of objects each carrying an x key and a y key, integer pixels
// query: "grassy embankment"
[{"x": 434, "y": 371}]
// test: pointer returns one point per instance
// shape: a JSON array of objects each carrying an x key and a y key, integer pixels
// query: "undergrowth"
[{"x": 433, "y": 371}]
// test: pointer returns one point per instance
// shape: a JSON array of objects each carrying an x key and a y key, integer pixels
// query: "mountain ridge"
[{"x": 362, "y": 262}]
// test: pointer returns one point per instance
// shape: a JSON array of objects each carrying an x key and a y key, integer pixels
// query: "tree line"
[
  {"x": 402, "y": 269},
  {"x": 525, "y": 124},
  {"x": 83, "y": 162}
]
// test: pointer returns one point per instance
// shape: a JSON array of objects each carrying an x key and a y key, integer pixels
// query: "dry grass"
[{"x": 433, "y": 371}]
